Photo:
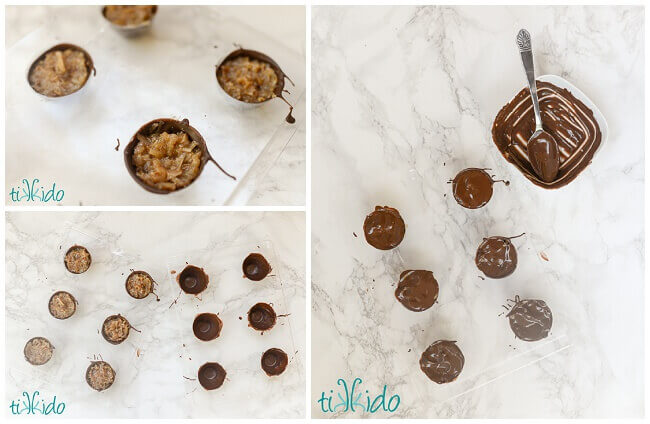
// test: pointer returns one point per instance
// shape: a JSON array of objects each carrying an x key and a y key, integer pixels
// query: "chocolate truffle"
[
  {"x": 530, "y": 320},
  {"x": 256, "y": 267},
  {"x": 567, "y": 119},
  {"x": 139, "y": 284},
  {"x": 211, "y": 375},
  {"x": 496, "y": 257},
  {"x": 261, "y": 317},
  {"x": 77, "y": 259},
  {"x": 38, "y": 351},
  {"x": 384, "y": 228},
  {"x": 274, "y": 361},
  {"x": 417, "y": 290},
  {"x": 62, "y": 305},
  {"x": 207, "y": 326},
  {"x": 472, "y": 188},
  {"x": 100, "y": 375},
  {"x": 60, "y": 71},
  {"x": 115, "y": 329},
  {"x": 193, "y": 280},
  {"x": 442, "y": 362}
]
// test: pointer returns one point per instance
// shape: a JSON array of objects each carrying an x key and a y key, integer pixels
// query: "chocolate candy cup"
[
  {"x": 68, "y": 258},
  {"x": 496, "y": 257},
  {"x": 193, "y": 280},
  {"x": 256, "y": 267},
  {"x": 211, "y": 375},
  {"x": 472, "y": 188},
  {"x": 100, "y": 375},
  {"x": 442, "y": 361},
  {"x": 530, "y": 319},
  {"x": 168, "y": 125},
  {"x": 38, "y": 351},
  {"x": 115, "y": 338},
  {"x": 384, "y": 228},
  {"x": 261, "y": 317},
  {"x": 61, "y": 47},
  {"x": 62, "y": 305},
  {"x": 132, "y": 30},
  {"x": 207, "y": 326},
  {"x": 274, "y": 361},
  {"x": 139, "y": 290}
]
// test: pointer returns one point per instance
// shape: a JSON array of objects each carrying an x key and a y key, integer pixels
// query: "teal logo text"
[
  {"x": 33, "y": 403},
  {"x": 351, "y": 397},
  {"x": 33, "y": 191}
]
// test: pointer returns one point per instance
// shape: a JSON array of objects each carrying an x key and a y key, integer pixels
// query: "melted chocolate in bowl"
[
  {"x": 256, "y": 267},
  {"x": 566, "y": 118},
  {"x": 207, "y": 326},
  {"x": 530, "y": 319},
  {"x": 211, "y": 375},
  {"x": 496, "y": 257},
  {"x": 384, "y": 228},
  {"x": 472, "y": 188},
  {"x": 261, "y": 317},
  {"x": 193, "y": 280},
  {"x": 274, "y": 361},
  {"x": 442, "y": 362},
  {"x": 417, "y": 290}
]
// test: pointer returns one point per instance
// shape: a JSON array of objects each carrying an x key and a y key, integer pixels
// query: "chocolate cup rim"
[
  {"x": 210, "y": 315},
  {"x": 105, "y": 336},
  {"x": 41, "y": 338},
  {"x": 90, "y": 66},
  {"x": 205, "y": 275},
  {"x": 131, "y": 29},
  {"x": 453, "y": 184},
  {"x": 265, "y": 262},
  {"x": 174, "y": 125},
  {"x": 262, "y": 57},
  {"x": 49, "y": 303},
  {"x": 68, "y": 251},
  {"x": 88, "y": 376},
  {"x": 215, "y": 365},
  {"x": 283, "y": 354},
  {"x": 126, "y": 283},
  {"x": 267, "y": 307}
]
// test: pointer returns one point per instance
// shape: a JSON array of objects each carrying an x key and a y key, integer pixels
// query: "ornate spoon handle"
[{"x": 525, "y": 50}]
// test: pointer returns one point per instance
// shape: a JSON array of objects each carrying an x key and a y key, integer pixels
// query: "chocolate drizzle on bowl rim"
[
  {"x": 168, "y": 125},
  {"x": 90, "y": 66},
  {"x": 279, "y": 87}
]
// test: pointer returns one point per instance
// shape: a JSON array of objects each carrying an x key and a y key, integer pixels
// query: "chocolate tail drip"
[
  {"x": 221, "y": 169},
  {"x": 514, "y": 237}
]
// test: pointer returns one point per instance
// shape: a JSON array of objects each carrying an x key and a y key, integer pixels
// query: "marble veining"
[
  {"x": 403, "y": 98},
  {"x": 156, "y": 366}
]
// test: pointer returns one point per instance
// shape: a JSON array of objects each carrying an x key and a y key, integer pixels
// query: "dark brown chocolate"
[
  {"x": 261, "y": 317},
  {"x": 564, "y": 117},
  {"x": 62, "y": 47},
  {"x": 62, "y": 305},
  {"x": 530, "y": 320},
  {"x": 193, "y": 280},
  {"x": 279, "y": 87},
  {"x": 211, "y": 375},
  {"x": 115, "y": 329},
  {"x": 132, "y": 30},
  {"x": 544, "y": 156},
  {"x": 256, "y": 267},
  {"x": 274, "y": 361},
  {"x": 161, "y": 125},
  {"x": 472, "y": 188},
  {"x": 207, "y": 326},
  {"x": 100, "y": 375},
  {"x": 417, "y": 290},
  {"x": 442, "y": 362},
  {"x": 384, "y": 228},
  {"x": 496, "y": 257}
]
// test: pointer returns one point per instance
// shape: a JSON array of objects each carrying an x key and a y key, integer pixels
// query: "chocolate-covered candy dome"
[
  {"x": 384, "y": 228},
  {"x": 496, "y": 257},
  {"x": 417, "y": 290},
  {"x": 531, "y": 320},
  {"x": 442, "y": 361}
]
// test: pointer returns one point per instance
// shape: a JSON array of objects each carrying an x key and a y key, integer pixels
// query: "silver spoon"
[{"x": 542, "y": 148}]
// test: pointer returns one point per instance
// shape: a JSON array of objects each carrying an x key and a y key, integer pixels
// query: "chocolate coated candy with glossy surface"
[
  {"x": 384, "y": 228},
  {"x": 442, "y": 362},
  {"x": 417, "y": 290}
]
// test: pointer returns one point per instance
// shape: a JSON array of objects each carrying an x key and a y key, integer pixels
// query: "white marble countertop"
[
  {"x": 156, "y": 366},
  {"x": 266, "y": 154},
  {"x": 403, "y": 99}
]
